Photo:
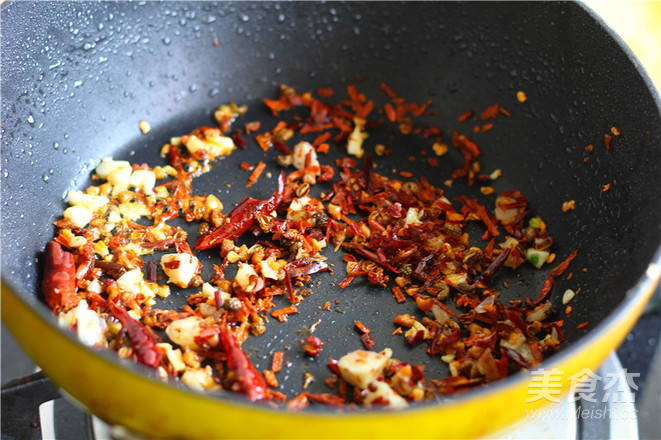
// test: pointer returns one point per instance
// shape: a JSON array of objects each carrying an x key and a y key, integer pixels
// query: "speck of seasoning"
[
  {"x": 615, "y": 131},
  {"x": 448, "y": 182},
  {"x": 569, "y": 205},
  {"x": 145, "y": 127},
  {"x": 589, "y": 148},
  {"x": 496, "y": 174},
  {"x": 216, "y": 42},
  {"x": 486, "y": 190},
  {"x": 521, "y": 96},
  {"x": 440, "y": 149},
  {"x": 606, "y": 187}
]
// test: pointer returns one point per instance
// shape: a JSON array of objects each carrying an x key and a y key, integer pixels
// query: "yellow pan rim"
[{"x": 120, "y": 392}]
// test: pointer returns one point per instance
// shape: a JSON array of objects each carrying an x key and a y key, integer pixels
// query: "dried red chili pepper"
[
  {"x": 59, "y": 283},
  {"x": 250, "y": 381},
  {"x": 142, "y": 339}
]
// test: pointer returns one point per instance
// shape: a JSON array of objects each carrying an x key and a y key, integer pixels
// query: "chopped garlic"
[
  {"x": 356, "y": 138},
  {"x": 108, "y": 165},
  {"x": 382, "y": 394},
  {"x": 174, "y": 357},
  {"x": 568, "y": 296},
  {"x": 247, "y": 279},
  {"x": 91, "y": 202},
  {"x": 301, "y": 151},
  {"x": 180, "y": 268},
  {"x": 200, "y": 379},
  {"x": 90, "y": 327},
  {"x": 413, "y": 217},
  {"x": 184, "y": 331},
  {"x": 78, "y": 215},
  {"x": 212, "y": 145},
  {"x": 144, "y": 180},
  {"x": 362, "y": 367}
]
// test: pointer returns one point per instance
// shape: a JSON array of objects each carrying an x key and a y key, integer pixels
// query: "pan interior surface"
[{"x": 75, "y": 89}]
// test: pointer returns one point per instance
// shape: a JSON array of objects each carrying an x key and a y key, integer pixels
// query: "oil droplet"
[
  {"x": 30, "y": 119},
  {"x": 45, "y": 177},
  {"x": 167, "y": 41}
]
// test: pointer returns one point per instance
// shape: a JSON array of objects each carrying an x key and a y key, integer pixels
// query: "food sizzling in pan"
[{"x": 117, "y": 251}]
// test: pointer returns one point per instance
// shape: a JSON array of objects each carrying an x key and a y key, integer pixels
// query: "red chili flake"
[
  {"x": 503, "y": 111},
  {"x": 431, "y": 131},
  {"x": 606, "y": 187},
  {"x": 238, "y": 139},
  {"x": 432, "y": 161},
  {"x": 325, "y": 92},
  {"x": 252, "y": 126},
  {"x": 264, "y": 141},
  {"x": 607, "y": 141},
  {"x": 172, "y": 264},
  {"x": 487, "y": 127},
  {"x": 490, "y": 112},
  {"x": 312, "y": 346},
  {"x": 277, "y": 396},
  {"x": 390, "y": 112},
  {"x": 361, "y": 327},
  {"x": 259, "y": 169},
  {"x": 331, "y": 381},
  {"x": 299, "y": 402},
  {"x": 323, "y": 149},
  {"x": 589, "y": 148},
  {"x": 281, "y": 314},
  {"x": 385, "y": 88},
  {"x": 276, "y": 365},
  {"x": 546, "y": 288},
  {"x": 406, "y": 174},
  {"x": 399, "y": 296},
  {"x": 245, "y": 166},
  {"x": 216, "y": 42},
  {"x": 270, "y": 378},
  {"x": 368, "y": 341},
  {"x": 321, "y": 138},
  {"x": 560, "y": 268},
  {"x": 327, "y": 305},
  {"x": 465, "y": 116},
  {"x": 327, "y": 399},
  {"x": 582, "y": 325},
  {"x": 615, "y": 131}
]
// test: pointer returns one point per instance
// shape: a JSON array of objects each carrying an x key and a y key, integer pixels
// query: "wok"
[{"x": 77, "y": 77}]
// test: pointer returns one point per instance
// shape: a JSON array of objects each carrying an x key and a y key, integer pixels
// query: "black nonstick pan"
[{"x": 78, "y": 77}]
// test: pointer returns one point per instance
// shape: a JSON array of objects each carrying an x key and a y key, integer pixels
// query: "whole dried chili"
[
  {"x": 142, "y": 339},
  {"x": 250, "y": 381},
  {"x": 59, "y": 283}
]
